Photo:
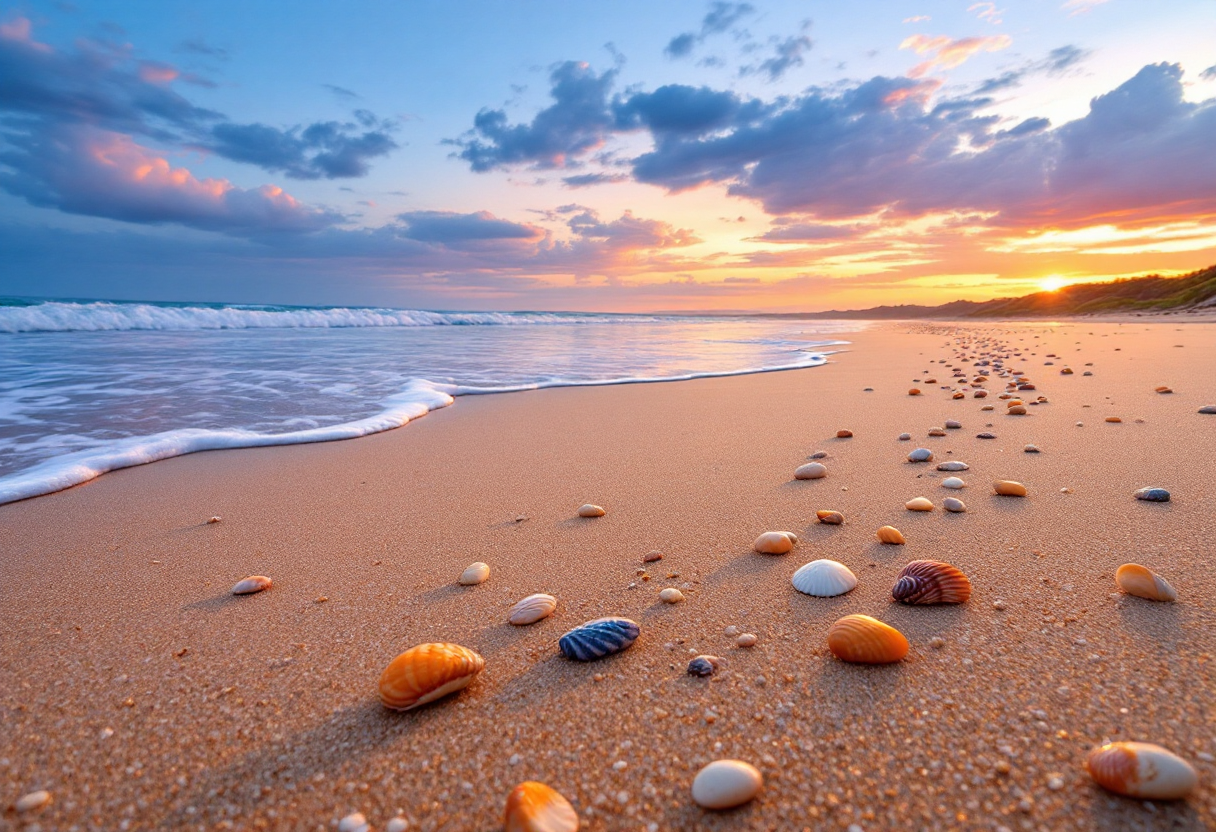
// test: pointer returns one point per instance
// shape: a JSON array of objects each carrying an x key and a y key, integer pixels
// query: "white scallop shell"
[
  {"x": 953, "y": 482},
  {"x": 532, "y": 609},
  {"x": 824, "y": 578},
  {"x": 474, "y": 573}
]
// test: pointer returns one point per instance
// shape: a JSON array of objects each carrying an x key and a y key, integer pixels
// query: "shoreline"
[{"x": 269, "y": 719}]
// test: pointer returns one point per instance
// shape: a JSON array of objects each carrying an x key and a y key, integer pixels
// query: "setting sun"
[{"x": 1052, "y": 283}]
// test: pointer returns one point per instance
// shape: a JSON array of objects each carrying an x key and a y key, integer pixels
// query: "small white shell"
[
  {"x": 1141, "y": 769},
  {"x": 811, "y": 471},
  {"x": 774, "y": 543},
  {"x": 474, "y": 574},
  {"x": 32, "y": 801},
  {"x": 252, "y": 584},
  {"x": 724, "y": 784},
  {"x": 824, "y": 578},
  {"x": 671, "y": 595},
  {"x": 589, "y": 510},
  {"x": 953, "y": 482},
  {"x": 532, "y": 609},
  {"x": 954, "y": 504}
]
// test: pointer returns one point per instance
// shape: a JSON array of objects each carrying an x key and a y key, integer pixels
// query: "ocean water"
[{"x": 90, "y": 387}]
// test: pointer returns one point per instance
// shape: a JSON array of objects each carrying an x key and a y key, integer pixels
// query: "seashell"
[
  {"x": 427, "y": 672},
  {"x": 746, "y": 640},
  {"x": 920, "y": 455},
  {"x": 1031, "y": 449},
  {"x": 1208, "y": 409},
  {"x": 953, "y": 482},
  {"x": 725, "y": 784},
  {"x": 534, "y": 807},
  {"x": 474, "y": 574},
  {"x": 704, "y": 666},
  {"x": 1009, "y": 488},
  {"x": 774, "y": 543},
  {"x": 904, "y": 437},
  {"x": 890, "y": 534},
  {"x": 954, "y": 504},
  {"x": 1163, "y": 390},
  {"x": 980, "y": 394},
  {"x": 589, "y": 510},
  {"x": 865, "y": 640},
  {"x": 652, "y": 556},
  {"x": 953, "y": 465},
  {"x": 936, "y": 432},
  {"x": 1017, "y": 410},
  {"x": 810, "y": 471},
  {"x": 844, "y": 434},
  {"x": 1114, "y": 420},
  {"x": 985, "y": 435},
  {"x": 931, "y": 582},
  {"x": 33, "y": 800},
  {"x": 599, "y": 638},
  {"x": 1141, "y": 769},
  {"x": 959, "y": 395},
  {"x": 532, "y": 609},
  {"x": 252, "y": 584},
  {"x": 215, "y": 519},
  {"x": 671, "y": 595},
  {"x": 824, "y": 579},
  {"x": 953, "y": 424},
  {"x": 830, "y": 518},
  {"x": 1137, "y": 580},
  {"x": 987, "y": 407},
  {"x": 915, "y": 391},
  {"x": 919, "y": 504},
  {"x": 1153, "y": 495}
]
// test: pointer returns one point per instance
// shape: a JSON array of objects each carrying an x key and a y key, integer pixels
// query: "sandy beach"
[{"x": 142, "y": 695}]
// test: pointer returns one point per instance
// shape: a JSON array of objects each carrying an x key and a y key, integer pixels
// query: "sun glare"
[{"x": 1052, "y": 283}]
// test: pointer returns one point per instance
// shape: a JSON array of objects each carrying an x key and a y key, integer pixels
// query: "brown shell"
[
  {"x": 1009, "y": 488},
  {"x": 1141, "y": 769},
  {"x": 915, "y": 391},
  {"x": 534, "y": 807},
  {"x": 1142, "y": 582},
  {"x": 427, "y": 672},
  {"x": 831, "y": 518},
  {"x": 865, "y": 640},
  {"x": 931, "y": 582},
  {"x": 890, "y": 534}
]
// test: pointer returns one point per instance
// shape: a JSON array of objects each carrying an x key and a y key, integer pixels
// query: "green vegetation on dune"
[{"x": 1151, "y": 293}]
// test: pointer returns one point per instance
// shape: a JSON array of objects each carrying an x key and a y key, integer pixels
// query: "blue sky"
[{"x": 626, "y": 156}]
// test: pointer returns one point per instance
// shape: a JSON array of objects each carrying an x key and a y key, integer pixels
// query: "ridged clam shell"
[
  {"x": 890, "y": 534},
  {"x": 954, "y": 504},
  {"x": 920, "y": 455},
  {"x": 425, "y": 673},
  {"x": 1141, "y": 769},
  {"x": 811, "y": 471},
  {"x": 532, "y": 609},
  {"x": 252, "y": 584},
  {"x": 535, "y": 807},
  {"x": 1137, "y": 580},
  {"x": 931, "y": 582},
  {"x": 1009, "y": 488},
  {"x": 774, "y": 543},
  {"x": 1153, "y": 495},
  {"x": 829, "y": 517},
  {"x": 599, "y": 638},
  {"x": 724, "y": 784},
  {"x": 952, "y": 465},
  {"x": 704, "y": 666},
  {"x": 919, "y": 504},
  {"x": 474, "y": 574},
  {"x": 953, "y": 482},
  {"x": 589, "y": 510},
  {"x": 865, "y": 640},
  {"x": 824, "y": 579}
]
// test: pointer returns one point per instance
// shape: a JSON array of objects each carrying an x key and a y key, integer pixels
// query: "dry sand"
[{"x": 142, "y": 695}]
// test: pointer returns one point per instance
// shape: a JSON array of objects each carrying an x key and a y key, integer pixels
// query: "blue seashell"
[
  {"x": 599, "y": 638},
  {"x": 1153, "y": 495}
]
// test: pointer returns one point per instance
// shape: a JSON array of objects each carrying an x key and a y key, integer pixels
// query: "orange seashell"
[
  {"x": 931, "y": 582},
  {"x": 865, "y": 640},
  {"x": 1137, "y": 580},
  {"x": 844, "y": 434},
  {"x": 959, "y": 395},
  {"x": 1141, "y": 769},
  {"x": 427, "y": 672},
  {"x": 890, "y": 534},
  {"x": 915, "y": 391},
  {"x": 831, "y": 518},
  {"x": 534, "y": 807},
  {"x": 252, "y": 584},
  {"x": 1009, "y": 488}
]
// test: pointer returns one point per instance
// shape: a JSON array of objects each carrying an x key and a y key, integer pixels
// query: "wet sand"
[{"x": 142, "y": 695}]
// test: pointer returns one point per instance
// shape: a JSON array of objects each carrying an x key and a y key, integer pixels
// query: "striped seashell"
[
  {"x": 532, "y": 609},
  {"x": 599, "y": 638},
  {"x": 811, "y": 471},
  {"x": 824, "y": 579},
  {"x": 919, "y": 504},
  {"x": 474, "y": 574},
  {"x": 890, "y": 534},
  {"x": 931, "y": 582},
  {"x": 589, "y": 510},
  {"x": 1009, "y": 488},
  {"x": 535, "y": 807},
  {"x": 427, "y": 672},
  {"x": 704, "y": 666},
  {"x": 774, "y": 543},
  {"x": 865, "y": 640},
  {"x": 252, "y": 584},
  {"x": 1141, "y": 769},
  {"x": 953, "y": 465},
  {"x": 829, "y": 517},
  {"x": 1137, "y": 580}
]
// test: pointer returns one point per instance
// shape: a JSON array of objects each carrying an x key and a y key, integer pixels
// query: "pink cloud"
[
  {"x": 946, "y": 53},
  {"x": 155, "y": 72},
  {"x": 19, "y": 30}
]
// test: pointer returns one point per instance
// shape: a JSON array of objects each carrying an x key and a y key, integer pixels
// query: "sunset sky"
[{"x": 617, "y": 156}]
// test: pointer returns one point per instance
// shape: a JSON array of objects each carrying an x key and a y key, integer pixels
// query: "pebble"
[
  {"x": 589, "y": 510},
  {"x": 252, "y": 584},
  {"x": 819, "y": 455},
  {"x": 1080, "y": 424},
  {"x": 920, "y": 455},
  {"x": 32, "y": 801},
  {"x": 671, "y": 595},
  {"x": 998, "y": 604},
  {"x": 954, "y": 504},
  {"x": 1009, "y": 488},
  {"x": 354, "y": 822},
  {"x": 953, "y": 424},
  {"x": 1153, "y": 495},
  {"x": 985, "y": 435},
  {"x": 953, "y": 465},
  {"x": 844, "y": 434},
  {"x": 1114, "y": 420},
  {"x": 1164, "y": 389},
  {"x": 774, "y": 543},
  {"x": 953, "y": 482},
  {"x": 828, "y": 517},
  {"x": 1208, "y": 409},
  {"x": 652, "y": 556},
  {"x": 810, "y": 471},
  {"x": 905, "y": 437},
  {"x": 937, "y": 642},
  {"x": 987, "y": 407},
  {"x": 1017, "y": 410},
  {"x": 1030, "y": 449},
  {"x": 397, "y": 825},
  {"x": 725, "y": 784},
  {"x": 746, "y": 640},
  {"x": 936, "y": 432},
  {"x": 704, "y": 666},
  {"x": 919, "y": 504},
  {"x": 731, "y": 630},
  {"x": 474, "y": 574},
  {"x": 214, "y": 520},
  {"x": 915, "y": 391}
]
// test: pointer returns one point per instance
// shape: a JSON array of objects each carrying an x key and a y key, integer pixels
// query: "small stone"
[
  {"x": 1080, "y": 424},
  {"x": 937, "y": 642},
  {"x": 746, "y": 640},
  {"x": 830, "y": 518},
  {"x": 725, "y": 784},
  {"x": 1030, "y": 449},
  {"x": 953, "y": 482},
  {"x": 589, "y": 510},
  {"x": 953, "y": 424},
  {"x": 519, "y": 518},
  {"x": 1017, "y": 410},
  {"x": 954, "y": 504},
  {"x": 819, "y": 455},
  {"x": 1164, "y": 390},
  {"x": 1009, "y": 488},
  {"x": 354, "y": 822},
  {"x": 652, "y": 556},
  {"x": 904, "y": 437},
  {"x": 915, "y": 391},
  {"x": 1055, "y": 782},
  {"x": 397, "y": 825},
  {"x": 731, "y": 630},
  {"x": 811, "y": 471},
  {"x": 1208, "y": 409},
  {"x": 671, "y": 595},
  {"x": 844, "y": 434},
  {"x": 998, "y": 604},
  {"x": 921, "y": 455},
  {"x": 985, "y": 435},
  {"x": 32, "y": 801},
  {"x": 704, "y": 666},
  {"x": 1153, "y": 495},
  {"x": 987, "y": 407},
  {"x": 952, "y": 465},
  {"x": 1114, "y": 420},
  {"x": 215, "y": 519},
  {"x": 936, "y": 432},
  {"x": 252, "y": 584},
  {"x": 919, "y": 504}
]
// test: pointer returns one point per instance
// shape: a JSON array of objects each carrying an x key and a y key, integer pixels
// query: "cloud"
[
  {"x": 586, "y": 180},
  {"x": 1056, "y": 63},
  {"x": 787, "y": 54},
  {"x": 720, "y": 18},
  {"x": 946, "y": 53},
  {"x": 807, "y": 232},
  {"x": 575, "y": 124},
  {"x": 323, "y": 149},
  {"x": 920, "y": 18},
  {"x": 464, "y": 231},
  {"x": 342, "y": 93},
  {"x": 1209, "y": 74},
  {"x": 1076, "y": 7},
  {"x": 987, "y": 11},
  {"x": 678, "y": 109},
  {"x": 198, "y": 46}
]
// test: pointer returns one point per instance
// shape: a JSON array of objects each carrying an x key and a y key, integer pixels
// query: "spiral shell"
[
  {"x": 931, "y": 582},
  {"x": 865, "y": 640},
  {"x": 532, "y": 609},
  {"x": 890, "y": 534},
  {"x": 1137, "y": 580},
  {"x": 534, "y": 807},
  {"x": 427, "y": 672},
  {"x": 829, "y": 517},
  {"x": 811, "y": 471},
  {"x": 252, "y": 584},
  {"x": 774, "y": 543},
  {"x": 474, "y": 574},
  {"x": 824, "y": 579},
  {"x": 589, "y": 510},
  {"x": 599, "y": 638},
  {"x": 1141, "y": 769}
]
